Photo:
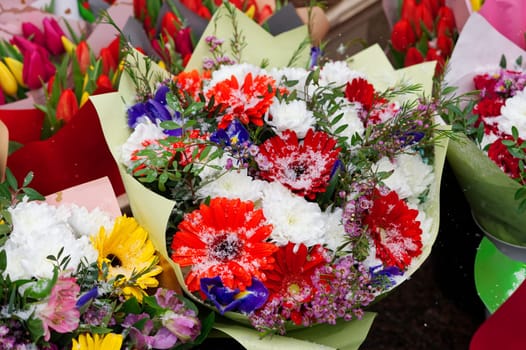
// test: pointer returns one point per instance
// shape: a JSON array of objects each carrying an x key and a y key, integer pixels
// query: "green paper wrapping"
[{"x": 489, "y": 191}]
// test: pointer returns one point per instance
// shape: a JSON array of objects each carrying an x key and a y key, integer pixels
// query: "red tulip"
[
  {"x": 53, "y": 34},
  {"x": 37, "y": 69},
  {"x": 445, "y": 45},
  {"x": 183, "y": 42},
  {"x": 170, "y": 24},
  {"x": 423, "y": 17},
  {"x": 408, "y": 10},
  {"x": 413, "y": 56},
  {"x": 139, "y": 9},
  {"x": 446, "y": 21},
  {"x": 432, "y": 5},
  {"x": 67, "y": 105},
  {"x": 402, "y": 35},
  {"x": 434, "y": 55},
  {"x": 103, "y": 84},
  {"x": 33, "y": 33},
  {"x": 108, "y": 62},
  {"x": 82, "y": 53}
]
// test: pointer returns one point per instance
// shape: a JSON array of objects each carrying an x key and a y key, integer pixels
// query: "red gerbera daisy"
[
  {"x": 290, "y": 280},
  {"x": 248, "y": 102},
  {"x": 359, "y": 90},
  {"x": 227, "y": 239},
  {"x": 394, "y": 229},
  {"x": 305, "y": 168},
  {"x": 190, "y": 82}
]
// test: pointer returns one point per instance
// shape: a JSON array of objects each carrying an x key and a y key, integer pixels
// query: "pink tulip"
[
  {"x": 23, "y": 44},
  {"x": 53, "y": 34},
  {"x": 37, "y": 68},
  {"x": 33, "y": 33}
]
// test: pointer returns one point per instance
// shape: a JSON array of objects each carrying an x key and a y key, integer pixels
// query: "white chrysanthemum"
[
  {"x": 426, "y": 223},
  {"x": 143, "y": 132},
  {"x": 410, "y": 177},
  {"x": 338, "y": 73},
  {"x": 290, "y": 116},
  {"x": 40, "y": 230},
  {"x": 85, "y": 222},
  {"x": 233, "y": 184},
  {"x": 282, "y": 75},
  {"x": 513, "y": 113},
  {"x": 335, "y": 235},
  {"x": 215, "y": 167},
  {"x": 294, "y": 219},
  {"x": 240, "y": 71},
  {"x": 350, "y": 117}
]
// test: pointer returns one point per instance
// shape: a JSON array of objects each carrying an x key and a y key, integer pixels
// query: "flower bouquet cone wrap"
[
  {"x": 489, "y": 191},
  {"x": 153, "y": 210}
]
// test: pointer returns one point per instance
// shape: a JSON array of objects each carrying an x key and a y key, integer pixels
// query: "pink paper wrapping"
[{"x": 508, "y": 17}]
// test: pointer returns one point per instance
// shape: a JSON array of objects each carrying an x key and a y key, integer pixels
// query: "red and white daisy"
[
  {"x": 226, "y": 238},
  {"x": 303, "y": 167},
  {"x": 394, "y": 229}
]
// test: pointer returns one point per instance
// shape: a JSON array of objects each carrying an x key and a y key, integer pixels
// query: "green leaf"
[
  {"x": 28, "y": 179},
  {"x": 521, "y": 192},
  {"x": 514, "y": 132},
  {"x": 36, "y": 328},
  {"x": 32, "y": 194},
  {"x": 11, "y": 180},
  {"x": 131, "y": 306},
  {"x": 3, "y": 260},
  {"x": 503, "y": 62},
  {"x": 13, "y": 146},
  {"x": 518, "y": 61},
  {"x": 42, "y": 287}
]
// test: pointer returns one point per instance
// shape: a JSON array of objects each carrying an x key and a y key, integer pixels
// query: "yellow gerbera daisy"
[
  {"x": 110, "y": 341},
  {"x": 128, "y": 252}
]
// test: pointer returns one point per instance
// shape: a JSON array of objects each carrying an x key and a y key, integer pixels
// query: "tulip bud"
[
  {"x": 37, "y": 69},
  {"x": 67, "y": 105},
  {"x": 7, "y": 81},
  {"x": 413, "y": 56},
  {"x": 83, "y": 56},
  {"x": 69, "y": 47},
  {"x": 445, "y": 45},
  {"x": 402, "y": 35},
  {"x": 446, "y": 18},
  {"x": 33, "y": 33},
  {"x": 17, "y": 68},
  {"x": 251, "y": 11},
  {"x": 423, "y": 17},
  {"x": 104, "y": 84},
  {"x": 108, "y": 62},
  {"x": 53, "y": 34},
  {"x": 23, "y": 44},
  {"x": 183, "y": 42},
  {"x": 170, "y": 24},
  {"x": 84, "y": 98}
]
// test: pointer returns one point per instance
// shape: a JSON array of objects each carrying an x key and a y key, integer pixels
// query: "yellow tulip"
[
  {"x": 251, "y": 11},
  {"x": 476, "y": 4},
  {"x": 84, "y": 98},
  {"x": 17, "y": 68},
  {"x": 7, "y": 80},
  {"x": 68, "y": 45}
]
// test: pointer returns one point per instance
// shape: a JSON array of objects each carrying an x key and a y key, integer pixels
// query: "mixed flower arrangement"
[
  {"x": 300, "y": 194},
  {"x": 91, "y": 281}
]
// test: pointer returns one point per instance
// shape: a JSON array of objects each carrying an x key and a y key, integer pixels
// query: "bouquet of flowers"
[
  {"x": 486, "y": 154},
  {"x": 84, "y": 285},
  {"x": 290, "y": 195}
]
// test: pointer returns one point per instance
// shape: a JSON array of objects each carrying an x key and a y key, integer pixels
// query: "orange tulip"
[{"x": 83, "y": 56}]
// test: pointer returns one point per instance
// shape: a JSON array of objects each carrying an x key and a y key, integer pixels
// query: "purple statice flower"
[{"x": 226, "y": 299}]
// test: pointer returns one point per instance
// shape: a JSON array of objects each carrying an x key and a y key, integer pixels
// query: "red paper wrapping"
[
  {"x": 77, "y": 153},
  {"x": 505, "y": 328},
  {"x": 24, "y": 125}
]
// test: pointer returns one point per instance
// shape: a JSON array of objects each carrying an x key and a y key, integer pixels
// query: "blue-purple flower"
[
  {"x": 384, "y": 276},
  {"x": 226, "y": 299},
  {"x": 234, "y": 134}
]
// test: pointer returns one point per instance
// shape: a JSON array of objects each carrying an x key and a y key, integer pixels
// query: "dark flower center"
[
  {"x": 225, "y": 248},
  {"x": 114, "y": 260}
]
